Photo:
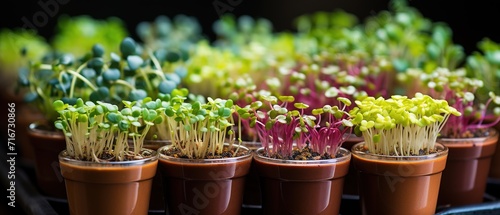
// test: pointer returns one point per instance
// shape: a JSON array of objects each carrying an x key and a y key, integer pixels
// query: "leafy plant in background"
[
  {"x": 125, "y": 76},
  {"x": 16, "y": 47},
  {"x": 329, "y": 33},
  {"x": 400, "y": 126},
  {"x": 287, "y": 133},
  {"x": 77, "y": 34},
  {"x": 484, "y": 64},
  {"x": 337, "y": 40},
  {"x": 244, "y": 47},
  {"x": 178, "y": 35},
  {"x": 102, "y": 131},
  {"x": 461, "y": 93},
  {"x": 407, "y": 39}
]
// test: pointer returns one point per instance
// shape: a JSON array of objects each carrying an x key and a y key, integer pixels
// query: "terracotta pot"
[
  {"x": 495, "y": 160},
  {"x": 108, "y": 188},
  {"x": 252, "y": 194},
  {"x": 351, "y": 179},
  {"x": 25, "y": 116},
  {"x": 465, "y": 177},
  {"x": 302, "y": 187},
  {"x": 47, "y": 146},
  {"x": 204, "y": 186},
  {"x": 156, "y": 203},
  {"x": 399, "y": 184}
]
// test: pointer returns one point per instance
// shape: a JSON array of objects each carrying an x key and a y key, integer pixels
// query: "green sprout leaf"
[{"x": 134, "y": 62}]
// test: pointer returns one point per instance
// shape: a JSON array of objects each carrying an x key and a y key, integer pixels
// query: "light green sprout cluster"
[
  {"x": 196, "y": 128},
  {"x": 101, "y": 131},
  {"x": 399, "y": 125}
]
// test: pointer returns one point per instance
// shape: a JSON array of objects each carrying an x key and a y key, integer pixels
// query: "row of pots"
[{"x": 456, "y": 176}]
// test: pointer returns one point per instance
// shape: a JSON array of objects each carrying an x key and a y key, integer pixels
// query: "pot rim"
[
  {"x": 34, "y": 127},
  {"x": 443, "y": 152},
  {"x": 64, "y": 158},
  {"x": 493, "y": 133},
  {"x": 346, "y": 157},
  {"x": 200, "y": 161}
]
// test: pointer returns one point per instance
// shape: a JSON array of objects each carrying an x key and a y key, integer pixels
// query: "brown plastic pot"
[
  {"x": 252, "y": 194},
  {"x": 302, "y": 187},
  {"x": 495, "y": 160},
  {"x": 465, "y": 177},
  {"x": 121, "y": 187},
  {"x": 351, "y": 179},
  {"x": 156, "y": 203},
  {"x": 399, "y": 184},
  {"x": 204, "y": 186},
  {"x": 47, "y": 145}
]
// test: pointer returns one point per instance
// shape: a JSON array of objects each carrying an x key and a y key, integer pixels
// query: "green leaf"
[
  {"x": 269, "y": 124},
  {"x": 124, "y": 125},
  {"x": 66, "y": 60},
  {"x": 158, "y": 120},
  {"x": 111, "y": 74},
  {"x": 58, "y": 105},
  {"x": 88, "y": 73},
  {"x": 167, "y": 86},
  {"x": 317, "y": 111},
  {"x": 79, "y": 102},
  {"x": 126, "y": 111},
  {"x": 58, "y": 124},
  {"x": 300, "y": 105},
  {"x": 127, "y": 47},
  {"x": 169, "y": 111},
  {"x": 30, "y": 97},
  {"x": 286, "y": 98},
  {"x": 229, "y": 103},
  {"x": 97, "y": 50},
  {"x": 137, "y": 95},
  {"x": 134, "y": 62},
  {"x": 82, "y": 118},
  {"x": 114, "y": 117}
]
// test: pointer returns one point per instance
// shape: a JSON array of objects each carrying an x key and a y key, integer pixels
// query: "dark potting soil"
[
  {"x": 304, "y": 153},
  {"x": 226, "y": 153}
]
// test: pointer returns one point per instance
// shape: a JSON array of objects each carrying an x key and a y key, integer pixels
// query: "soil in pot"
[{"x": 213, "y": 185}]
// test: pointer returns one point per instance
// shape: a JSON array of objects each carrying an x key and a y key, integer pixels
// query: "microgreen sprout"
[
  {"x": 461, "y": 92},
  {"x": 197, "y": 129},
  {"x": 98, "y": 77},
  {"x": 101, "y": 131},
  {"x": 399, "y": 125},
  {"x": 282, "y": 126}
]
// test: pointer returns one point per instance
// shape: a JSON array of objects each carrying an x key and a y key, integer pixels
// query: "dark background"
[{"x": 470, "y": 20}]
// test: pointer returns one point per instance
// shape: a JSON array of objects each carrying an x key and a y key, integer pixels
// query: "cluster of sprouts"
[
  {"x": 462, "y": 93},
  {"x": 283, "y": 126},
  {"x": 101, "y": 131},
  {"x": 401, "y": 126},
  {"x": 197, "y": 129}
]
